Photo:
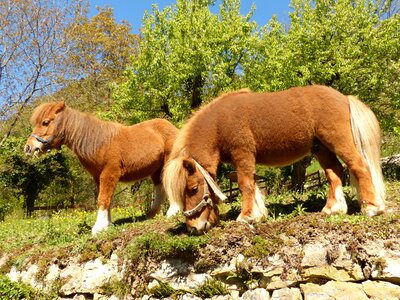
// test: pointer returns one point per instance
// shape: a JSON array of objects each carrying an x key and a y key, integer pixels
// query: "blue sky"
[{"x": 133, "y": 10}]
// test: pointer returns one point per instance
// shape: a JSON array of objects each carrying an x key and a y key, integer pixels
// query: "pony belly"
[{"x": 284, "y": 158}]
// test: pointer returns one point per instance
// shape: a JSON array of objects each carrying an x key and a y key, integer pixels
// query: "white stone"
[
  {"x": 314, "y": 255},
  {"x": 287, "y": 294},
  {"x": 257, "y": 294}
]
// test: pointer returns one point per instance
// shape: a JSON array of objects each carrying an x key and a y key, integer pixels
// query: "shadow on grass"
[
  {"x": 313, "y": 203},
  {"x": 127, "y": 220},
  {"x": 178, "y": 229}
]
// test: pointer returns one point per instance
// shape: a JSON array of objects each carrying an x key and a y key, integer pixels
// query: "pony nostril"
[
  {"x": 27, "y": 149},
  {"x": 193, "y": 230}
]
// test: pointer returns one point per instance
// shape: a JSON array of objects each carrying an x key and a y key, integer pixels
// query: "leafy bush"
[
  {"x": 5, "y": 208},
  {"x": 13, "y": 290}
]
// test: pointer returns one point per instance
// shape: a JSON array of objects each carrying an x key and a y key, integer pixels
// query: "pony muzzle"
[{"x": 208, "y": 219}]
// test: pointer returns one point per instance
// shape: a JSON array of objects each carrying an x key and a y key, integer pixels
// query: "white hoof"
[{"x": 102, "y": 222}]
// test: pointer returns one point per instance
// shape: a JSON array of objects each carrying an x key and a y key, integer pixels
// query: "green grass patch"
[
  {"x": 211, "y": 288},
  {"x": 10, "y": 290},
  {"x": 161, "y": 246}
]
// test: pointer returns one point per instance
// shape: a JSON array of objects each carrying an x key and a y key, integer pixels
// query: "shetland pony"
[
  {"x": 109, "y": 151},
  {"x": 275, "y": 129}
]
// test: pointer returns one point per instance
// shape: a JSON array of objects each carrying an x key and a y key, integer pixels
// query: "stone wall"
[{"x": 315, "y": 270}]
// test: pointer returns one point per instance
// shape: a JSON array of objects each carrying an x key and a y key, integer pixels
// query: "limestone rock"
[
  {"x": 330, "y": 273},
  {"x": 381, "y": 290},
  {"x": 89, "y": 277},
  {"x": 315, "y": 255},
  {"x": 257, "y": 294},
  {"x": 389, "y": 271},
  {"x": 287, "y": 294},
  {"x": 333, "y": 290}
]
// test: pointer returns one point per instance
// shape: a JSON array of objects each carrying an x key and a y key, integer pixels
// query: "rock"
[
  {"x": 315, "y": 255},
  {"x": 387, "y": 269},
  {"x": 257, "y": 294},
  {"x": 221, "y": 297},
  {"x": 27, "y": 276},
  {"x": 178, "y": 274},
  {"x": 329, "y": 273},
  {"x": 188, "y": 297},
  {"x": 89, "y": 277},
  {"x": 287, "y": 294},
  {"x": 333, "y": 290},
  {"x": 381, "y": 290}
]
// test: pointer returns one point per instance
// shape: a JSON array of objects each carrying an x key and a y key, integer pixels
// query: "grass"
[{"x": 292, "y": 217}]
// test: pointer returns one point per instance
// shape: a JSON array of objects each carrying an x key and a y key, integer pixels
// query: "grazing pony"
[
  {"x": 275, "y": 129},
  {"x": 109, "y": 151}
]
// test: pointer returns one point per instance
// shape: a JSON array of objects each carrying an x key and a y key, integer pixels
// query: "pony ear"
[
  {"x": 189, "y": 165},
  {"x": 59, "y": 106}
]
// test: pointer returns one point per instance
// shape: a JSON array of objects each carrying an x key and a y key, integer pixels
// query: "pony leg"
[
  {"x": 159, "y": 197},
  {"x": 369, "y": 202},
  {"x": 336, "y": 202},
  {"x": 107, "y": 186},
  {"x": 253, "y": 207}
]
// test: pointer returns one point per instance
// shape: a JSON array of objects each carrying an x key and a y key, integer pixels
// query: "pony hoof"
[
  {"x": 326, "y": 211},
  {"x": 334, "y": 210},
  {"x": 372, "y": 211},
  {"x": 97, "y": 229},
  {"x": 245, "y": 219}
]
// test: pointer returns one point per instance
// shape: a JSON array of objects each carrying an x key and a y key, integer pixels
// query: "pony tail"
[{"x": 367, "y": 138}]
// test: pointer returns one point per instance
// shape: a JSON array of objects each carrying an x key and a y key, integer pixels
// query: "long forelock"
[
  {"x": 174, "y": 180},
  {"x": 40, "y": 113}
]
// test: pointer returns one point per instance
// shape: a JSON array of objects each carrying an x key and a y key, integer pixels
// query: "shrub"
[{"x": 13, "y": 290}]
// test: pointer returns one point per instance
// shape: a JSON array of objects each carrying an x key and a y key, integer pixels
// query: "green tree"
[
  {"x": 351, "y": 45},
  {"x": 28, "y": 177},
  {"x": 187, "y": 55}
]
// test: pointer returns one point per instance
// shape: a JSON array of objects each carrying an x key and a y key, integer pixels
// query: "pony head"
[
  {"x": 45, "y": 135},
  {"x": 193, "y": 190}
]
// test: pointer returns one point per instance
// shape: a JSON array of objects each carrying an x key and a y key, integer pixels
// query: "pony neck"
[{"x": 84, "y": 134}]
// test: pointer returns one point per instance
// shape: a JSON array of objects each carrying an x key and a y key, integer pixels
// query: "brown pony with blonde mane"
[
  {"x": 275, "y": 129},
  {"x": 109, "y": 151}
]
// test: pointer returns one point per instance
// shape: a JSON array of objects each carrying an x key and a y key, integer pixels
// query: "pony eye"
[
  {"x": 194, "y": 190},
  {"x": 46, "y": 122}
]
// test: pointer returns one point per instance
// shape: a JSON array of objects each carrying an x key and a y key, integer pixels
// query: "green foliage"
[
  {"x": 27, "y": 177},
  {"x": 350, "y": 45},
  {"x": 13, "y": 291},
  {"x": 162, "y": 290},
  {"x": 117, "y": 288},
  {"x": 262, "y": 247},
  {"x": 5, "y": 208},
  {"x": 211, "y": 288},
  {"x": 187, "y": 55},
  {"x": 162, "y": 246}
]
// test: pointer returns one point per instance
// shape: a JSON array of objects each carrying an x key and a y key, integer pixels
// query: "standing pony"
[
  {"x": 275, "y": 129},
  {"x": 109, "y": 151}
]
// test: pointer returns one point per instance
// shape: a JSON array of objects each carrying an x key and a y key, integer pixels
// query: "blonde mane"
[
  {"x": 174, "y": 175},
  {"x": 86, "y": 134}
]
